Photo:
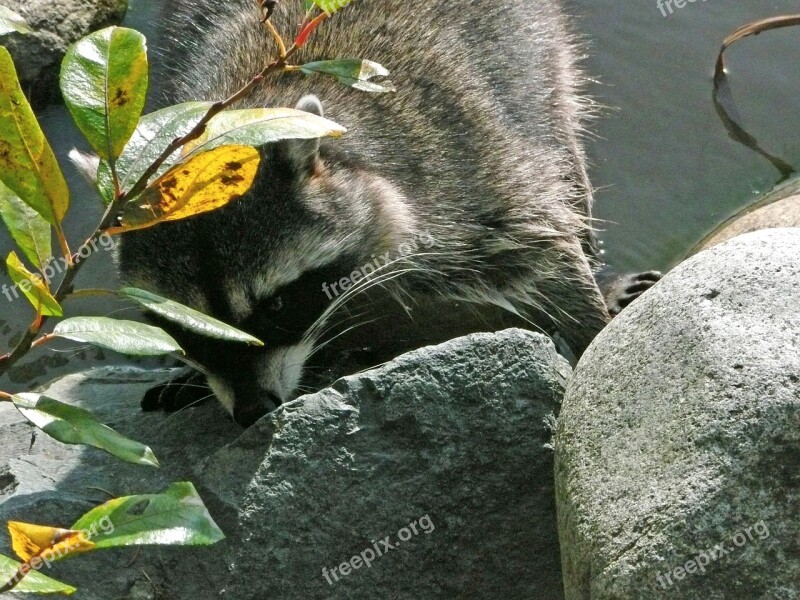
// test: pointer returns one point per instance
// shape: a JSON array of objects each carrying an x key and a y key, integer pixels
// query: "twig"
[
  {"x": 722, "y": 95},
  {"x": 753, "y": 28},
  {"x": 110, "y": 217}
]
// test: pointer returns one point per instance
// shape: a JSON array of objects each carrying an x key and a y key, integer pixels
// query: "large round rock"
[
  {"x": 56, "y": 25},
  {"x": 678, "y": 445}
]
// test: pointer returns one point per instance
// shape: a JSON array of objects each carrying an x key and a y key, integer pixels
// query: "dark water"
[{"x": 665, "y": 169}]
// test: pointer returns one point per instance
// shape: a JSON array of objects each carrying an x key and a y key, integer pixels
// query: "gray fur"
[{"x": 479, "y": 149}]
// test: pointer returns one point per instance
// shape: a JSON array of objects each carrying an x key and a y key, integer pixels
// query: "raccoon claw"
[
  {"x": 628, "y": 288},
  {"x": 181, "y": 392}
]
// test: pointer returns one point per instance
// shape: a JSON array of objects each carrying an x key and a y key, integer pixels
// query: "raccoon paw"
[
  {"x": 624, "y": 290},
  {"x": 182, "y": 392}
]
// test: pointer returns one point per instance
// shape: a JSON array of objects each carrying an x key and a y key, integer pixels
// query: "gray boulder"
[
  {"x": 56, "y": 26},
  {"x": 453, "y": 434},
  {"x": 433, "y": 469},
  {"x": 678, "y": 444}
]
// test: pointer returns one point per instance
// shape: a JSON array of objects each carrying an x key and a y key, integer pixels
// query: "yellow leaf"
[
  {"x": 204, "y": 183},
  {"x": 29, "y": 541},
  {"x": 33, "y": 286}
]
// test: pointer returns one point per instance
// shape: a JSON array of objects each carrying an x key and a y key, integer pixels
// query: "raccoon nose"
[{"x": 247, "y": 413}]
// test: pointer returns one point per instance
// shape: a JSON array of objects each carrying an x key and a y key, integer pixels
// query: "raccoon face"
[
  {"x": 251, "y": 381},
  {"x": 267, "y": 263}
]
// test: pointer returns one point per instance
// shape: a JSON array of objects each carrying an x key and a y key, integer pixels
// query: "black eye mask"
[{"x": 283, "y": 318}]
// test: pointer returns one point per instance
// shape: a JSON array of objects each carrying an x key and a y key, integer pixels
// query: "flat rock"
[{"x": 678, "y": 444}]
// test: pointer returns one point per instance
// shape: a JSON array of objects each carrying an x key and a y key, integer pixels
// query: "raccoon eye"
[{"x": 276, "y": 304}]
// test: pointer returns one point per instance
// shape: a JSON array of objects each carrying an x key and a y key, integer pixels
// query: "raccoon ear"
[
  {"x": 304, "y": 153},
  {"x": 310, "y": 104}
]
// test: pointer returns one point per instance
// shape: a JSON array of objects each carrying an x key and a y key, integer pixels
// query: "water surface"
[{"x": 665, "y": 169}]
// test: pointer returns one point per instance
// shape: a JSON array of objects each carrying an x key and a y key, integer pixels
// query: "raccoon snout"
[{"x": 248, "y": 412}]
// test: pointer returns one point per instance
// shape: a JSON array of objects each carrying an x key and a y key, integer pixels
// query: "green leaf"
[
  {"x": 105, "y": 182},
  {"x": 34, "y": 582},
  {"x": 259, "y": 126},
  {"x": 74, "y": 425},
  {"x": 104, "y": 82},
  {"x": 125, "y": 337},
  {"x": 27, "y": 227},
  {"x": 11, "y": 22},
  {"x": 153, "y": 135},
  {"x": 354, "y": 73},
  {"x": 332, "y": 6},
  {"x": 28, "y": 166},
  {"x": 188, "y": 317},
  {"x": 33, "y": 287},
  {"x": 175, "y": 517}
]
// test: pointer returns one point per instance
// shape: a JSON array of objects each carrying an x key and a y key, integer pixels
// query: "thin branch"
[
  {"x": 722, "y": 95},
  {"x": 744, "y": 31},
  {"x": 121, "y": 198},
  {"x": 277, "y": 37}
]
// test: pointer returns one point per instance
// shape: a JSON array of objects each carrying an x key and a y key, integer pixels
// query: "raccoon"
[{"x": 478, "y": 154}]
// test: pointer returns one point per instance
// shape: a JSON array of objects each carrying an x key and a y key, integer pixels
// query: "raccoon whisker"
[
  {"x": 71, "y": 350},
  {"x": 191, "y": 405},
  {"x": 373, "y": 280},
  {"x": 305, "y": 389},
  {"x": 319, "y": 347},
  {"x": 381, "y": 282},
  {"x": 311, "y": 336},
  {"x": 182, "y": 385},
  {"x": 376, "y": 275},
  {"x": 193, "y": 364},
  {"x": 370, "y": 368},
  {"x": 186, "y": 385},
  {"x": 322, "y": 326},
  {"x": 313, "y": 368},
  {"x": 359, "y": 288},
  {"x": 382, "y": 275},
  {"x": 313, "y": 340}
]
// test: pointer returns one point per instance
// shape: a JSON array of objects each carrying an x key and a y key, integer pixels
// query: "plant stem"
[
  {"x": 277, "y": 37},
  {"x": 62, "y": 242},
  {"x": 110, "y": 216}
]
